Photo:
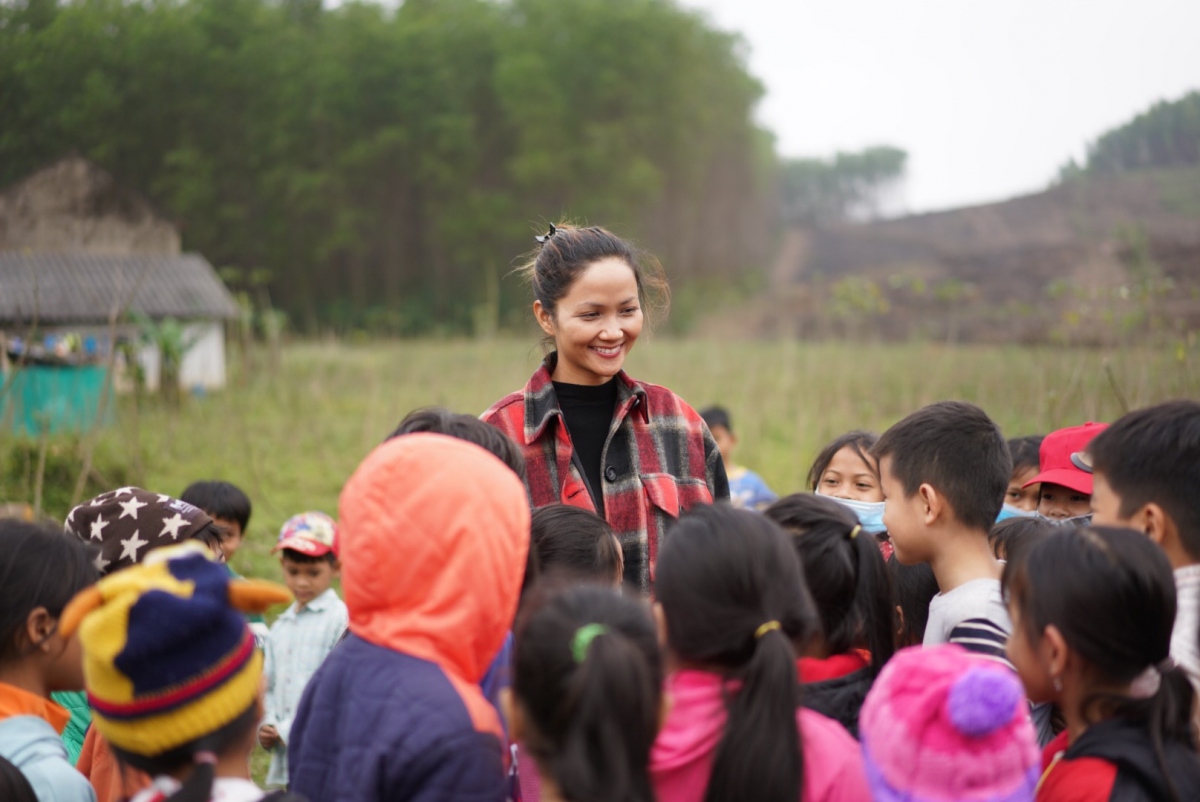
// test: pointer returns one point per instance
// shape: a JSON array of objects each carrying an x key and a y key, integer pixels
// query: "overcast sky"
[{"x": 987, "y": 97}]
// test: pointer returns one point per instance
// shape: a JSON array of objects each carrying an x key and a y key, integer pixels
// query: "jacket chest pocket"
[{"x": 674, "y": 496}]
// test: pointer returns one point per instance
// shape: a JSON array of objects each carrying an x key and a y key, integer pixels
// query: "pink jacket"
[{"x": 683, "y": 754}]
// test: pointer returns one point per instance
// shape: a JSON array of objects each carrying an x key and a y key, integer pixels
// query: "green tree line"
[
  {"x": 385, "y": 166},
  {"x": 1165, "y": 135},
  {"x": 847, "y": 186}
]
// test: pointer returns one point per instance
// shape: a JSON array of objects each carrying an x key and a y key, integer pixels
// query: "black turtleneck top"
[{"x": 588, "y": 411}]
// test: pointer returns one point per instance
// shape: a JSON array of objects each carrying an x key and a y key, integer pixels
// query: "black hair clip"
[{"x": 543, "y": 240}]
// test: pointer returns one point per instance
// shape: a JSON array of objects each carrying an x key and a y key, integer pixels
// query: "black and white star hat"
[{"x": 128, "y": 522}]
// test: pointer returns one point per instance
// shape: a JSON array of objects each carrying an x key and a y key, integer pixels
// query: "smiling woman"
[{"x": 633, "y": 452}]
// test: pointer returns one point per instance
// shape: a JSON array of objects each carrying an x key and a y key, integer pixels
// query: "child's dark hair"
[
  {"x": 568, "y": 250},
  {"x": 199, "y": 784},
  {"x": 734, "y": 598},
  {"x": 860, "y": 441},
  {"x": 717, "y": 416},
  {"x": 955, "y": 447},
  {"x": 1025, "y": 452},
  {"x": 40, "y": 566},
  {"x": 220, "y": 500},
  {"x": 300, "y": 558},
  {"x": 913, "y": 588},
  {"x": 845, "y": 574},
  {"x": 1111, "y": 594},
  {"x": 576, "y": 542},
  {"x": 588, "y": 675},
  {"x": 439, "y": 420},
  {"x": 1152, "y": 455},
  {"x": 1011, "y": 537},
  {"x": 13, "y": 785}
]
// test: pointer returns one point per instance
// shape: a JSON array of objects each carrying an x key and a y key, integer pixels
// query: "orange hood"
[{"x": 434, "y": 535}]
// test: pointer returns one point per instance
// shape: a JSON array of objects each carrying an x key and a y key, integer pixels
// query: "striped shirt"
[{"x": 300, "y": 640}]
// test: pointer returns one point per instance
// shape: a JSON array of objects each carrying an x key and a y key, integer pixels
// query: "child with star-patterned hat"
[{"x": 125, "y": 525}]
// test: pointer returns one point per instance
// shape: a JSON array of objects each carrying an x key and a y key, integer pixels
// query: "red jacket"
[{"x": 660, "y": 460}]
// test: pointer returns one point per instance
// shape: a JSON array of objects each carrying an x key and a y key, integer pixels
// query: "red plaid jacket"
[{"x": 659, "y": 460}]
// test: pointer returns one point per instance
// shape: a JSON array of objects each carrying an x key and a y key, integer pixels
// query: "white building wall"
[{"x": 203, "y": 363}]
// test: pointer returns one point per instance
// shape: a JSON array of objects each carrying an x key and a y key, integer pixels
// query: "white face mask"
[
  {"x": 1078, "y": 520},
  {"x": 870, "y": 513},
  {"x": 1009, "y": 511}
]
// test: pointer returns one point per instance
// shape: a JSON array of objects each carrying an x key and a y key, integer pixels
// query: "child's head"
[
  {"x": 733, "y": 601},
  {"x": 1025, "y": 452},
  {"x": 945, "y": 466},
  {"x": 845, "y": 469},
  {"x": 1092, "y": 612},
  {"x": 572, "y": 541},
  {"x": 1065, "y": 482},
  {"x": 913, "y": 588},
  {"x": 128, "y": 523},
  {"x": 308, "y": 546},
  {"x": 1147, "y": 468},
  {"x": 439, "y": 420},
  {"x": 587, "y": 692},
  {"x": 845, "y": 574},
  {"x": 227, "y": 505},
  {"x": 942, "y": 723},
  {"x": 172, "y": 672},
  {"x": 1011, "y": 537},
  {"x": 719, "y": 423},
  {"x": 41, "y": 569}
]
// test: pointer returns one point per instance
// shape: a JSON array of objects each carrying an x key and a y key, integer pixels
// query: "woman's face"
[
  {"x": 595, "y": 324},
  {"x": 848, "y": 476}
]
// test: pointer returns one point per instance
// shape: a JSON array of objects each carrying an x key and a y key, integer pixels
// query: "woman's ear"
[{"x": 544, "y": 318}]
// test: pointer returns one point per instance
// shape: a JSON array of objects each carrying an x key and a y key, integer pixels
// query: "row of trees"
[
  {"x": 385, "y": 167},
  {"x": 848, "y": 186},
  {"x": 1166, "y": 135}
]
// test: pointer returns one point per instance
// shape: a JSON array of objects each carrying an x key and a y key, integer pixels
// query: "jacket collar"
[
  {"x": 16, "y": 701},
  {"x": 541, "y": 402}
]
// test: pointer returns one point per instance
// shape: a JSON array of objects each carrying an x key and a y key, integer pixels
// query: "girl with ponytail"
[
  {"x": 1092, "y": 613},
  {"x": 732, "y": 601},
  {"x": 586, "y": 698},
  {"x": 848, "y": 581}
]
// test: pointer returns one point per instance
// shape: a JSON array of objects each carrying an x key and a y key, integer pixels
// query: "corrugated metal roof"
[{"x": 81, "y": 288}]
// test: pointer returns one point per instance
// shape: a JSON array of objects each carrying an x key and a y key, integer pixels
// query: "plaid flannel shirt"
[{"x": 658, "y": 461}]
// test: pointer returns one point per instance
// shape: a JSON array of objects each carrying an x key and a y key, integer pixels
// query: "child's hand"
[{"x": 268, "y": 736}]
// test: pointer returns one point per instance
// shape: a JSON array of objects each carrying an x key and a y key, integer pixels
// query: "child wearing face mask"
[
  {"x": 1021, "y": 498},
  {"x": 846, "y": 472},
  {"x": 1065, "y": 478}
]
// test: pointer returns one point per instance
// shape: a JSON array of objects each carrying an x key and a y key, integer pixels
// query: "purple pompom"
[{"x": 983, "y": 700}]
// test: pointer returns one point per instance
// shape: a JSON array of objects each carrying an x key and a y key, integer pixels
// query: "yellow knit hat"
[{"x": 168, "y": 658}]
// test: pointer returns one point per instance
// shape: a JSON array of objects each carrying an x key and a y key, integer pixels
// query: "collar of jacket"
[{"x": 541, "y": 402}]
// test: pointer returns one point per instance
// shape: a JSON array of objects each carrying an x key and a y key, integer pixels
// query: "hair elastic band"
[
  {"x": 765, "y": 628},
  {"x": 551, "y": 233},
  {"x": 1146, "y": 684},
  {"x": 583, "y": 638},
  {"x": 854, "y": 532},
  {"x": 205, "y": 758}
]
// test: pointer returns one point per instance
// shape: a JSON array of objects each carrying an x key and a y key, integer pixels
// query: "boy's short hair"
[
  {"x": 1152, "y": 455},
  {"x": 955, "y": 447},
  {"x": 716, "y": 416},
  {"x": 220, "y": 500},
  {"x": 439, "y": 420},
  {"x": 300, "y": 558}
]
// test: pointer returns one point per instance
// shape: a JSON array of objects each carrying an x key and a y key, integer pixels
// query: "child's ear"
[
  {"x": 512, "y": 714},
  {"x": 933, "y": 502},
  {"x": 1054, "y": 651},
  {"x": 1157, "y": 525},
  {"x": 39, "y": 627},
  {"x": 660, "y": 620}
]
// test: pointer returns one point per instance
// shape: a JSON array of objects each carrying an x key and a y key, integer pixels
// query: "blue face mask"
[
  {"x": 1009, "y": 511},
  {"x": 870, "y": 514},
  {"x": 1078, "y": 520}
]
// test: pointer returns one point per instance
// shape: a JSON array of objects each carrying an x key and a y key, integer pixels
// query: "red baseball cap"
[
  {"x": 311, "y": 533},
  {"x": 1055, "y": 458}
]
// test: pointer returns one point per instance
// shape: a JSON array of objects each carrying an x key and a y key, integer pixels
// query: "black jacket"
[
  {"x": 840, "y": 699},
  {"x": 1139, "y": 777}
]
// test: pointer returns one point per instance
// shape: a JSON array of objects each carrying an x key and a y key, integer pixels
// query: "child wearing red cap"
[
  {"x": 1066, "y": 482},
  {"x": 305, "y": 633}
]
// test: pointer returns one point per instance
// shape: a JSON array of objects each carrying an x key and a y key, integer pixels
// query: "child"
[
  {"x": 1011, "y": 536},
  {"x": 587, "y": 699},
  {"x": 1092, "y": 613},
  {"x": 747, "y": 490},
  {"x": 913, "y": 588},
  {"x": 439, "y": 420},
  {"x": 434, "y": 533},
  {"x": 304, "y": 634},
  {"x": 1065, "y": 495},
  {"x": 1147, "y": 468},
  {"x": 572, "y": 541},
  {"x": 1021, "y": 499},
  {"x": 229, "y": 507},
  {"x": 945, "y": 469},
  {"x": 846, "y": 472},
  {"x": 944, "y": 725},
  {"x": 40, "y": 571},
  {"x": 173, "y": 673},
  {"x": 732, "y": 601},
  {"x": 849, "y": 583}
]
